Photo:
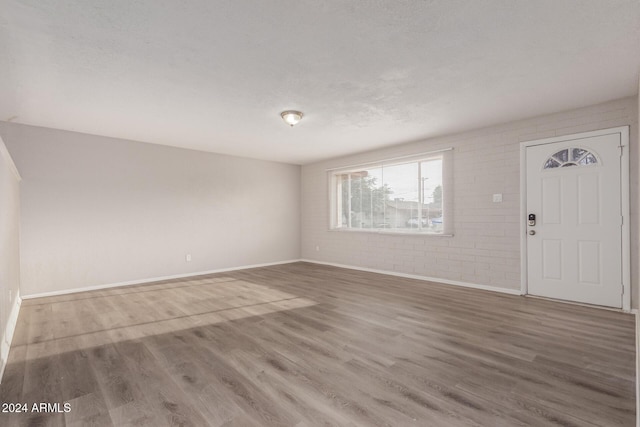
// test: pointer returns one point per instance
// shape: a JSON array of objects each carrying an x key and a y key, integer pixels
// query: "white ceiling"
[{"x": 214, "y": 75}]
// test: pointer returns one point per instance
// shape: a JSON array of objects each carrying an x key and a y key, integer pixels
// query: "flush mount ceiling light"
[{"x": 291, "y": 117}]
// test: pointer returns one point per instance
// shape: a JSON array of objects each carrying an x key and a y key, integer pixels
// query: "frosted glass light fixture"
[{"x": 291, "y": 117}]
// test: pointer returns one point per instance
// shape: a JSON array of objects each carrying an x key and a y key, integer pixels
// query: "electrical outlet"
[
  {"x": 188, "y": 257},
  {"x": 497, "y": 198}
]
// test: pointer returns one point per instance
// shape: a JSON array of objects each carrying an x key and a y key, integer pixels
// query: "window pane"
[
  {"x": 431, "y": 173},
  {"x": 402, "y": 182},
  {"x": 367, "y": 198},
  {"x": 577, "y": 153},
  {"x": 360, "y": 199},
  {"x": 358, "y": 188},
  {"x": 377, "y": 198},
  {"x": 589, "y": 159},
  {"x": 551, "y": 163},
  {"x": 345, "y": 199},
  {"x": 562, "y": 156}
]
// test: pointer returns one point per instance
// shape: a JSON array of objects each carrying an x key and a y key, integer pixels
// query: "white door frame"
[{"x": 626, "y": 240}]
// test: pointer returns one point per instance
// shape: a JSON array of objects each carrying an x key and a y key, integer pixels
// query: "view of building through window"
[{"x": 403, "y": 197}]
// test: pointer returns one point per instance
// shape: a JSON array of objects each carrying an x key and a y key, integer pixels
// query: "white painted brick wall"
[{"x": 485, "y": 249}]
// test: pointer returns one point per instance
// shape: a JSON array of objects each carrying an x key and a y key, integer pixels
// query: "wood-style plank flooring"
[{"x": 309, "y": 345}]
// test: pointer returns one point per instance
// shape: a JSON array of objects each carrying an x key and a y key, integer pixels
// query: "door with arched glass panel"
[{"x": 574, "y": 244}]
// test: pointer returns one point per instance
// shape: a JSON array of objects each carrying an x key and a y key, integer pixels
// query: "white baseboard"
[
  {"x": 424, "y": 278},
  {"x": 153, "y": 279},
  {"x": 7, "y": 337}
]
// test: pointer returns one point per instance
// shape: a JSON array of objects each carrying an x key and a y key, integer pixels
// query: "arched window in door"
[{"x": 571, "y": 157}]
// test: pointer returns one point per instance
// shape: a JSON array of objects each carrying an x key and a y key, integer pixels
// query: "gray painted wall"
[
  {"x": 486, "y": 247},
  {"x": 99, "y": 211}
]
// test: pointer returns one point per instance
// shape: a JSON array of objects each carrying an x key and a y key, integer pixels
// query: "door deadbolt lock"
[
  {"x": 532, "y": 232},
  {"x": 532, "y": 220}
]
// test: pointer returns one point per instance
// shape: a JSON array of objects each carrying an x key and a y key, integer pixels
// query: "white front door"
[{"x": 575, "y": 247}]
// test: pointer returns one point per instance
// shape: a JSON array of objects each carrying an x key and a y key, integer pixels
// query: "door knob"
[{"x": 532, "y": 232}]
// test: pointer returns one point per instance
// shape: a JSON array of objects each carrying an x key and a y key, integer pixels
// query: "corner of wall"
[
  {"x": 7, "y": 335},
  {"x": 10, "y": 260},
  {"x": 4, "y": 153}
]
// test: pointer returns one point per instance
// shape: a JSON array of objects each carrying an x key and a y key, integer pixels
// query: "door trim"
[{"x": 623, "y": 131}]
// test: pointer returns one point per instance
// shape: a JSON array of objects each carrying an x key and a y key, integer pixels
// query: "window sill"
[{"x": 389, "y": 232}]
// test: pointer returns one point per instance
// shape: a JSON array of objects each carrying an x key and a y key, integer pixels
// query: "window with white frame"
[{"x": 403, "y": 195}]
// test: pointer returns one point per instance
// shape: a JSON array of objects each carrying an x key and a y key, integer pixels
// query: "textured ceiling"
[{"x": 214, "y": 75}]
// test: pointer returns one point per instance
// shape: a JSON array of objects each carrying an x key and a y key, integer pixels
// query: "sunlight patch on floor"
[{"x": 137, "y": 312}]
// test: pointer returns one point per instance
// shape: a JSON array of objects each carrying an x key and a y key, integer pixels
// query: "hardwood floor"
[{"x": 307, "y": 345}]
